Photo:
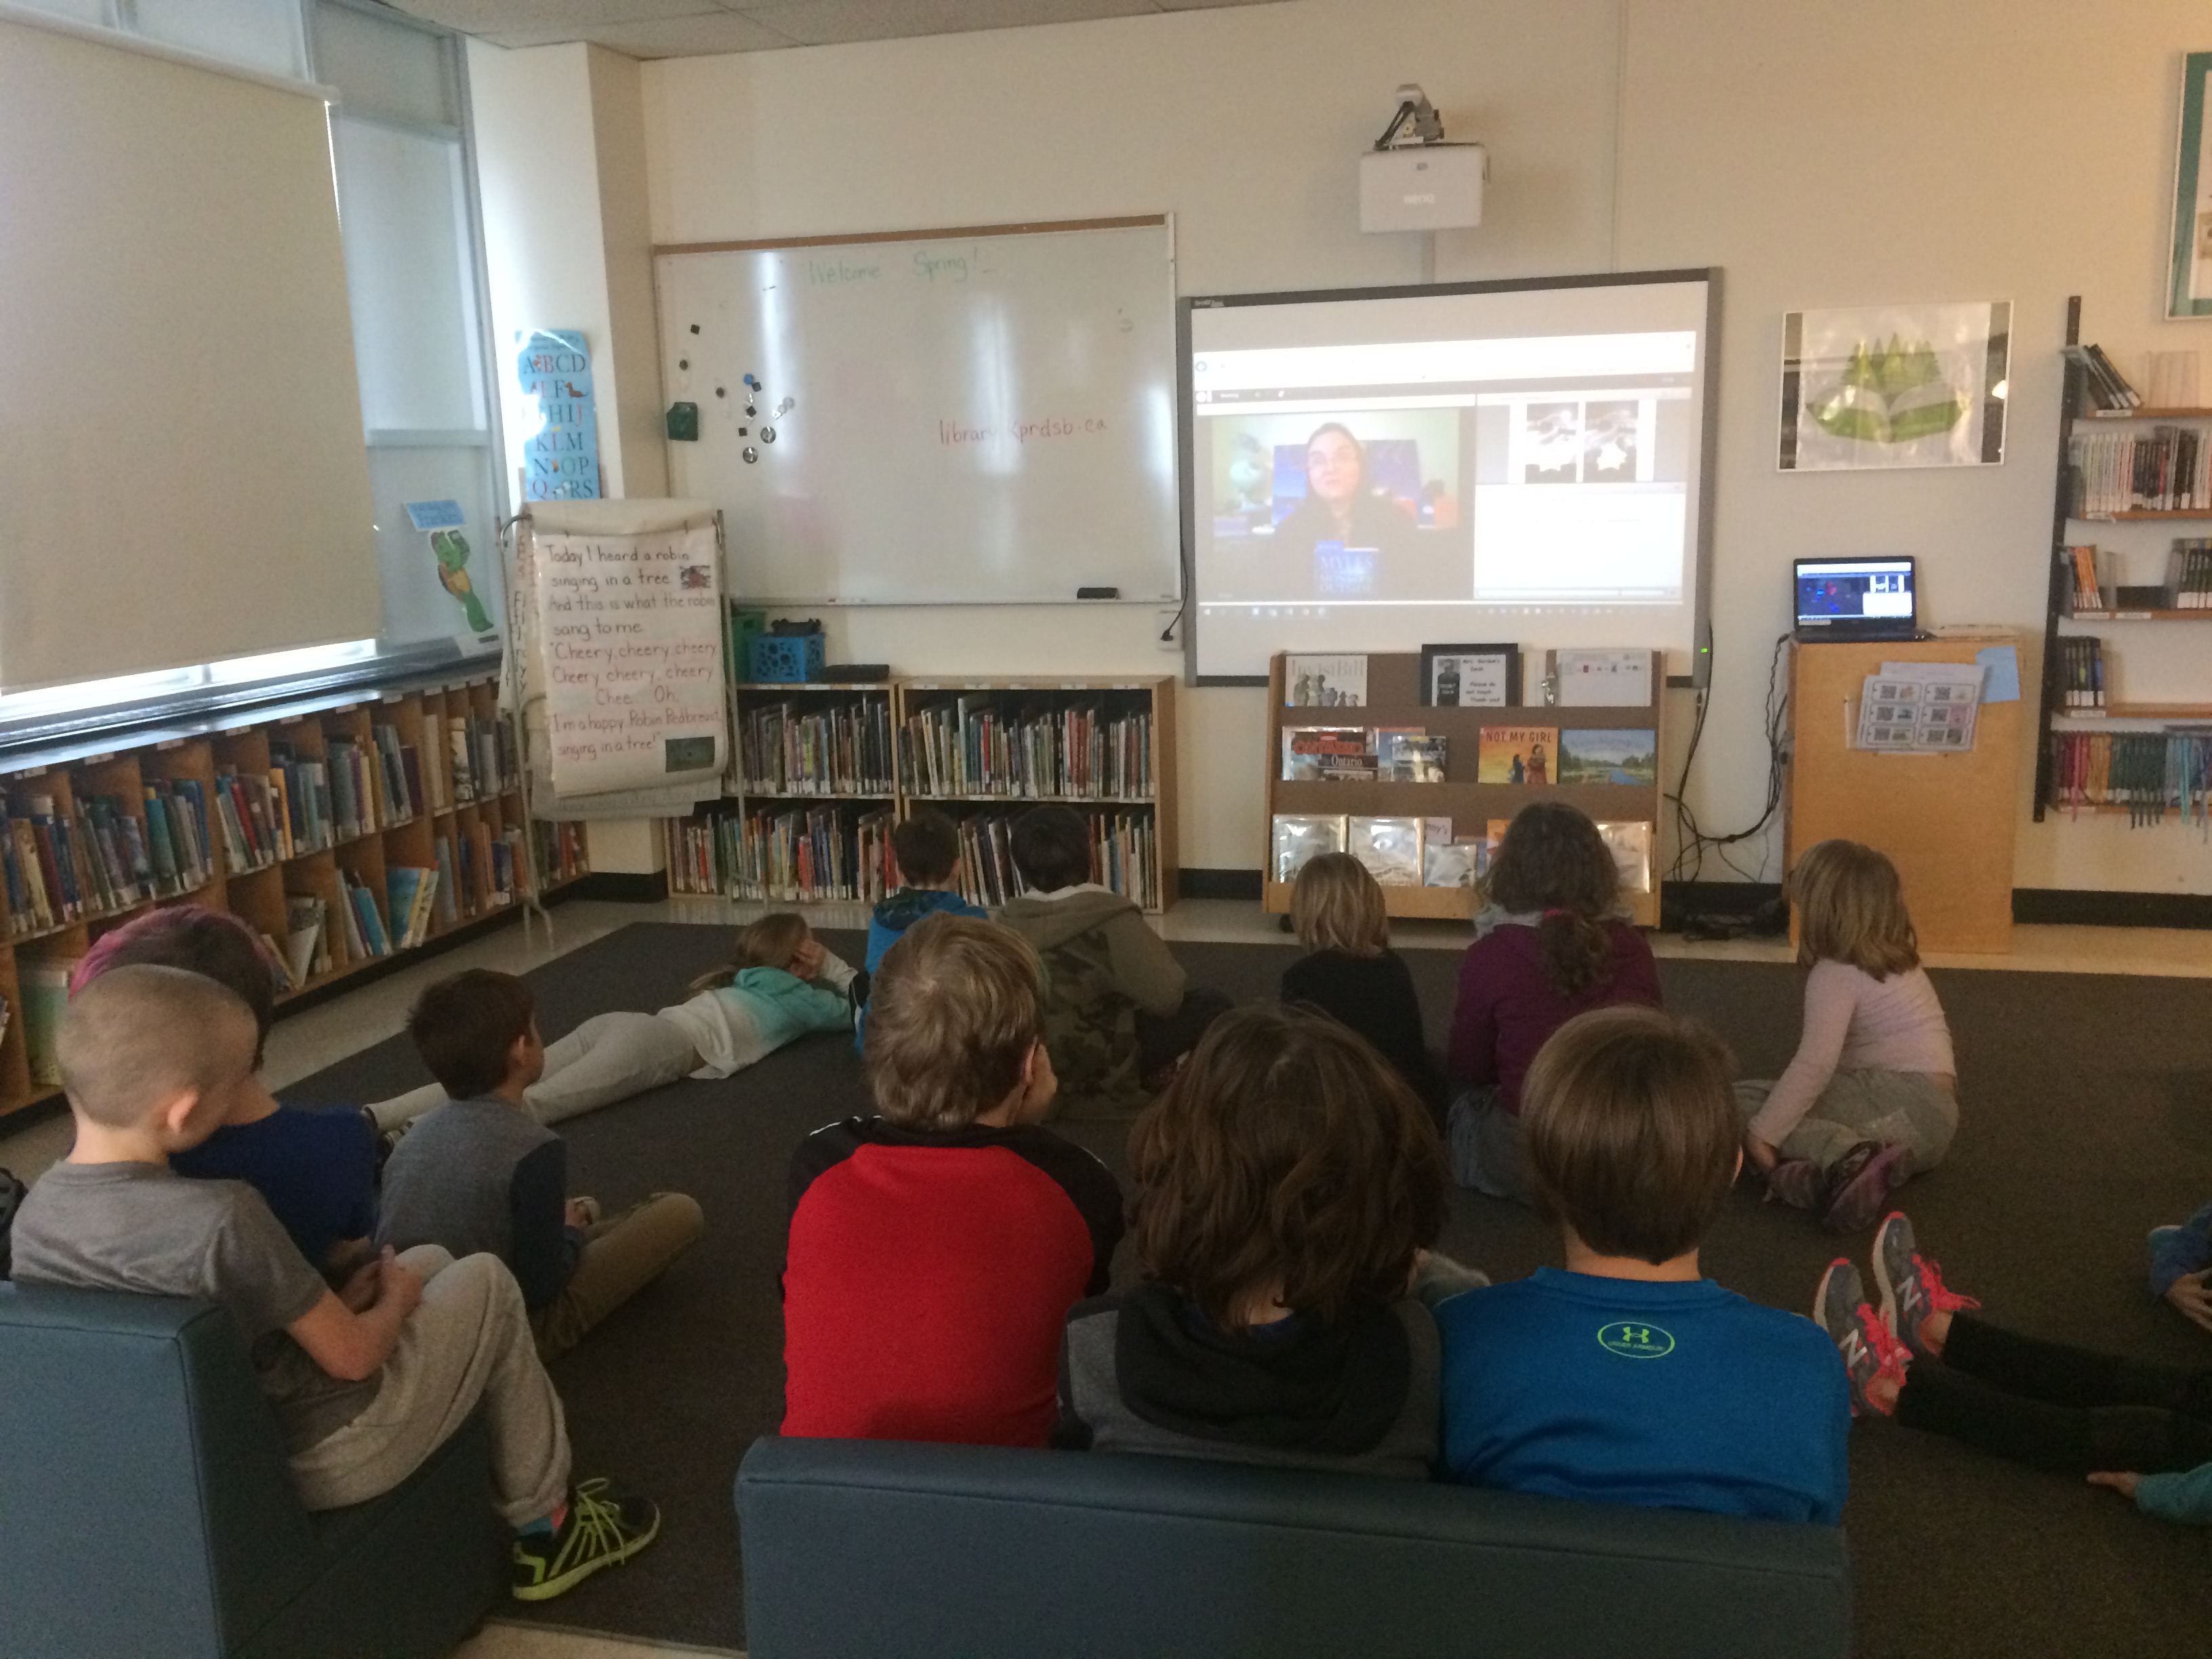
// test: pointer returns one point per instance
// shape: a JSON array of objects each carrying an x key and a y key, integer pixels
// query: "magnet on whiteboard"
[
  {"x": 786, "y": 406},
  {"x": 767, "y": 434},
  {"x": 751, "y": 454}
]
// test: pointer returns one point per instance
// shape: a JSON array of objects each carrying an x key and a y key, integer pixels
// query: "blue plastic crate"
[{"x": 779, "y": 658}]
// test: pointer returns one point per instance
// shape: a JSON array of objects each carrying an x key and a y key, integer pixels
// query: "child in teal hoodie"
[
  {"x": 927, "y": 848},
  {"x": 780, "y": 984}
]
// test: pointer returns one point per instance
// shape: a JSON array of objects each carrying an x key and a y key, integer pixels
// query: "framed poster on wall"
[{"x": 2190, "y": 293}]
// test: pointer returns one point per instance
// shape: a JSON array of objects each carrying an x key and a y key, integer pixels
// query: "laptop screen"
[{"x": 1847, "y": 594}]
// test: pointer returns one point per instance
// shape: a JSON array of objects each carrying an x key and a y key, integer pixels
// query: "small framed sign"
[{"x": 1470, "y": 676}]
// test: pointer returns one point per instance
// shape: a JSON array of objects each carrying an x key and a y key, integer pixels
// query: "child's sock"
[{"x": 546, "y": 1525}]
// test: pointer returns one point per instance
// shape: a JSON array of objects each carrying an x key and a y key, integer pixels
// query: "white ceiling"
[{"x": 685, "y": 28}]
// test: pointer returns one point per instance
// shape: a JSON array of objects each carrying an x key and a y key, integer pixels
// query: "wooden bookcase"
[
  {"x": 202, "y": 752},
  {"x": 1149, "y": 805},
  {"x": 1393, "y": 699},
  {"x": 2145, "y": 630}
]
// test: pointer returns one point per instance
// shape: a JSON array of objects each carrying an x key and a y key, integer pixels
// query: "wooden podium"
[{"x": 1946, "y": 821}]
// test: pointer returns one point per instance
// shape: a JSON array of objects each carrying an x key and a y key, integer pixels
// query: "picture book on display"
[
  {"x": 1589, "y": 755},
  {"x": 1324, "y": 681},
  {"x": 1518, "y": 754},
  {"x": 1407, "y": 754},
  {"x": 1318, "y": 754},
  {"x": 1631, "y": 845},
  {"x": 1447, "y": 862},
  {"x": 1301, "y": 836},
  {"x": 1389, "y": 847}
]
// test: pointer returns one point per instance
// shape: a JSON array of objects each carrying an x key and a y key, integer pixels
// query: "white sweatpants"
[{"x": 609, "y": 1057}]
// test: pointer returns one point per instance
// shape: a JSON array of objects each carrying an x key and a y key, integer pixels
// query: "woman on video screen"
[{"x": 1341, "y": 504}]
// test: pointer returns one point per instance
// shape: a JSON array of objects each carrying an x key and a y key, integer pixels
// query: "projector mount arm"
[{"x": 1414, "y": 107}]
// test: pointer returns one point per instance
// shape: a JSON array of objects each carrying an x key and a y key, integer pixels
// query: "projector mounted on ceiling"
[{"x": 1414, "y": 180}]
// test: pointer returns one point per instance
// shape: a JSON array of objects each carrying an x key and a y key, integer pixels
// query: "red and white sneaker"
[
  {"x": 1870, "y": 1352},
  {"x": 1912, "y": 1288}
]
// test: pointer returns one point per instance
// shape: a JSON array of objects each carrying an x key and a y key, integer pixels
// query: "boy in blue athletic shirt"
[
  {"x": 927, "y": 848},
  {"x": 1630, "y": 1378}
]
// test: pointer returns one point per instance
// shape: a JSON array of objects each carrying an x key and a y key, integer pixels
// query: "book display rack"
[
  {"x": 2131, "y": 569},
  {"x": 346, "y": 831},
  {"x": 1418, "y": 793},
  {"x": 824, "y": 771}
]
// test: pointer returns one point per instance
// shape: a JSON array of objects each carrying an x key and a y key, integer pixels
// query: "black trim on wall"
[
  {"x": 1218, "y": 884},
  {"x": 2074, "y": 907},
  {"x": 620, "y": 886}
]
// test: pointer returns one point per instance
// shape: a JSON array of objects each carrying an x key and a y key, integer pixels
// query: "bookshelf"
[
  {"x": 2098, "y": 748},
  {"x": 1393, "y": 700},
  {"x": 317, "y": 800},
  {"x": 847, "y": 761}
]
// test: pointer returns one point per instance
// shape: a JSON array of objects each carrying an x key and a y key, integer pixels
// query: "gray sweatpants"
[
  {"x": 609, "y": 1057},
  {"x": 469, "y": 1344},
  {"x": 1889, "y": 1107},
  {"x": 1483, "y": 1141}
]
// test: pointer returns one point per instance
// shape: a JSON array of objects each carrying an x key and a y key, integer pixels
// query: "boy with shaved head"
[{"x": 365, "y": 1381}]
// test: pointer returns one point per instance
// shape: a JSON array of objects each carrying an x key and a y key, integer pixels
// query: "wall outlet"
[{"x": 1167, "y": 630}]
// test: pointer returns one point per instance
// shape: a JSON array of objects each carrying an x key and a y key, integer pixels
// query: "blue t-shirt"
[
  {"x": 316, "y": 1170},
  {"x": 1679, "y": 1395}
]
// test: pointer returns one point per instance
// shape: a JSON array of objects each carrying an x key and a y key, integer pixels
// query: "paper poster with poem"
[{"x": 632, "y": 639}]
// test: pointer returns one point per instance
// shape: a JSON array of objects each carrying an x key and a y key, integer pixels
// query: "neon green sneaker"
[{"x": 604, "y": 1527}]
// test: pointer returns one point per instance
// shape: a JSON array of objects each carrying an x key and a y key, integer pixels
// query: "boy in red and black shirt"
[{"x": 935, "y": 1249}]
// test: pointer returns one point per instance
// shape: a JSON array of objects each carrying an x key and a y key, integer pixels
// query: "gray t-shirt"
[{"x": 142, "y": 1227}]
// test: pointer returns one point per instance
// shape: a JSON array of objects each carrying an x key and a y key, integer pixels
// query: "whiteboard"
[{"x": 970, "y": 418}]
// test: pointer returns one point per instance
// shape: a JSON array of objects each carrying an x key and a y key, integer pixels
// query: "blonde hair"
[
  {"x": 1850, "y": 907},
  {"x": 771, "y": 942},
  {"x": 1632, "y": 1131},
  {"x": 139, "y": 1035},
  {"x": 1337, "y": 905},
  {"x": 955, "y": 1011}
]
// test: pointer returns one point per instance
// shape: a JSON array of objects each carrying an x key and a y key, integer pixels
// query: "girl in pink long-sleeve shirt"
[
  {"x": 1872, "y": 1094},
  {"x": 1559, "y": 951}
]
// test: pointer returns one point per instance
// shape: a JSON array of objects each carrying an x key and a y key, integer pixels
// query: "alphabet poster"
[
  {"x": 631, "y": 634},
  {"x": 561, "y": 457}
]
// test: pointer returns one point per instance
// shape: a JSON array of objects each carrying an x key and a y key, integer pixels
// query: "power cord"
[{"x": 1690, "y": 840}]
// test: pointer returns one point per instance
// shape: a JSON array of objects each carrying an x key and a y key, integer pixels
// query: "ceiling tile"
[
  {"x": 690, "y": 37},
  {"x": 829, "y": 22}
]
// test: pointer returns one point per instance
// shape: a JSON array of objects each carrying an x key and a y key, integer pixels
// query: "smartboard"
[{"x": 969, "y": 418}]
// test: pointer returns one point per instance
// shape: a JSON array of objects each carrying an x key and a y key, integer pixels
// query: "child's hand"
[
  {"x": 2121, "y": 1481},
  {"x": 1763, "y": 1156},
  {"x": 359, "y": 1291},
  {"x": 580, "y": 1213},
  {"x": 807, "y": 960},
  {"x": 399, "y": 1287},
  {"x": 2191, "y": 1297}
]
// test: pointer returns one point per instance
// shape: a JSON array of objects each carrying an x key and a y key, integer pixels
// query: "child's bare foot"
[{"x": 1915, "y": 1303}]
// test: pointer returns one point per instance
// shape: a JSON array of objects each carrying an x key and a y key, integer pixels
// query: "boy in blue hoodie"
[{"x": 927, "y": 848}]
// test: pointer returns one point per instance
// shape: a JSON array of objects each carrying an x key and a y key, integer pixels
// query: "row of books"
[
  {"x": 1124, "y": 857},
  {"x": 2079, "y": 668},
  {"x": 561, "y": 853},
  {"x": 2166, "y": 469},
  {"x": 799, "y": 855},
  {"x": 486, "y": 759},
  {"x": 2189, "y": 575},
  {"x": 1507, "y": 754},
  {"x": 1430, "y": 852},
  {"x": 62, "y": 867},
  {"x": 2149, "y": 772},
  {"x": 1479, "y": 676},
  {"x": 842, "y": 749},
  {"x": 2107, "y": 387},
  {"x": 979, "y": 745}
]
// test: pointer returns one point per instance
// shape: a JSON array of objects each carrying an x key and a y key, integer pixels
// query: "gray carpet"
[{"x": 2087, "y": 1119}]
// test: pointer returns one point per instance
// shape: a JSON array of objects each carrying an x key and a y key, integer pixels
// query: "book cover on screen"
[
  {"x": 1301, "y": 836},
  {"x": 1324, "y": 681},
  {"x": 1592, "y": 755},
  {"x": 1389, "y": 847},
  {"x": 1518, "y": 754},
  {"x": 1318, "y": 754}
]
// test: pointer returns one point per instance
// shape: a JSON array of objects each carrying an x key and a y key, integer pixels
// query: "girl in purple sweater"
[{"x": 1559, "y": 949}]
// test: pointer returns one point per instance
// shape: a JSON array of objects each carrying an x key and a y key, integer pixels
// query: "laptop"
[{"x": 1857, "y": 599}]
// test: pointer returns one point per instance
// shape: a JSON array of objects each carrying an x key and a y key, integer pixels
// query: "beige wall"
[{"x": 1822, "y": 153}]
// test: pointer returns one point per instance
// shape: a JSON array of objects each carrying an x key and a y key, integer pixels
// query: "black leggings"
[
  {"x": 1164, "y": 1039},
  {"x": 2057, "y": 1406}
]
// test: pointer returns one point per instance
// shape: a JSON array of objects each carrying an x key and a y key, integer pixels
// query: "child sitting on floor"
[
  {"x": 480, "y": 1173},
  {"x": 927, "y": 848},
  {"x": 1120, "y": 1012},
  {"x": 366, "y": 1382},
  {"x": 1630, "y": 1378},
  {"x": 315, "y": 1170},
  {"x": 1352, "y": 975},
  {"x": 1556, "y": 948},
  {"x": 2181, "y": 1267},
  {"x": 778, "y": 986},
  {"x": 934, "y": 1251},
  {"x": 1871, "y": 1097},
  {"x": 1289, "y": 1184},
  {"x": 2143, "y": 1429}
]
